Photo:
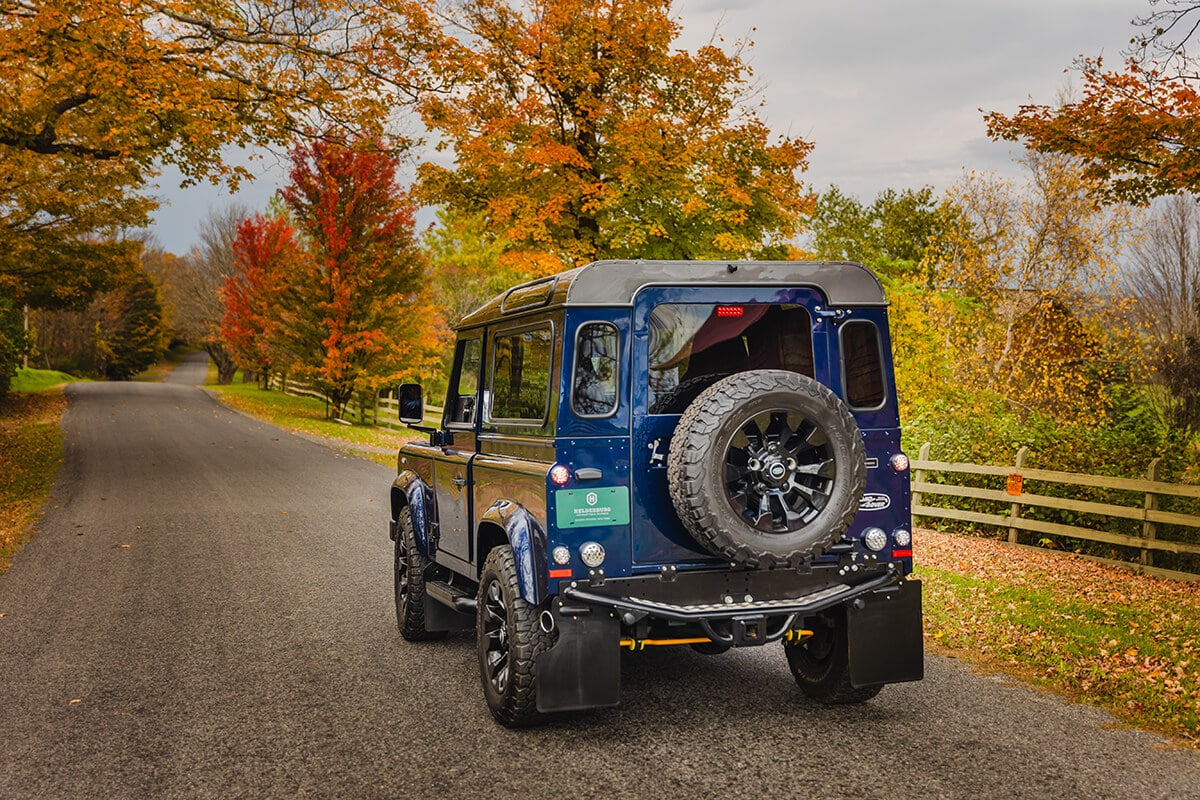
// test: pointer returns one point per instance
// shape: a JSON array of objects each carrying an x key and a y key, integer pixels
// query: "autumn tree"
[
  {"x": 98, "y": 94},
  {"x": 265, "y": 255},
  {"x": 1133, "y": 128},
  {"x": 1037, "y": 262},
  {"x": 356, "y": 315},
  {"x": 580, "y": 132}
]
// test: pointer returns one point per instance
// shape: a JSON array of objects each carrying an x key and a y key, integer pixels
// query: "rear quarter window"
[
  {"x": 595, "y": 377},
  {"x": 862, "y": 365},
  {"x": 521, "y": 366}
]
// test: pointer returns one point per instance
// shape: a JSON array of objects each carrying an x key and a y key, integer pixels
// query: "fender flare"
[
  {"x": 528, "y": 540},
  {"x": 409, "y": 491}
]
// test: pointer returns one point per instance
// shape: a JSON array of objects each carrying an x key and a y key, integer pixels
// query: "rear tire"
[
  {"x": 508, "y": 638},
  {"x": 821, "y": 664}
]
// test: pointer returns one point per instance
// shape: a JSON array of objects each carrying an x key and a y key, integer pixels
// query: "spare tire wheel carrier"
[{"x": 766, "y": 468}]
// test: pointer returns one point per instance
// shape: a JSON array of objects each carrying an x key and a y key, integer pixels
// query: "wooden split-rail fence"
[{"x": 1011, "y": 505}]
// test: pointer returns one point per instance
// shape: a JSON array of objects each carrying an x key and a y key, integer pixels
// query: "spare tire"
[{"x": 766, "y": 468}]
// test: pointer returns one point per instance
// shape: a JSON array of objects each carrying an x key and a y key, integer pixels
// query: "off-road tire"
[
  {"x": 766, "y": 468},
  {"x": 821, "y": 664},
  {"x": 410, "y": 568},
  {"x": 508, "y": 639}
]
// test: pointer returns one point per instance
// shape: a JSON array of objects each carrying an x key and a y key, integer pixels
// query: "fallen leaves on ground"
[
  {"x": 1098, "y": 633},
  {"x": 30, "y": 451}
]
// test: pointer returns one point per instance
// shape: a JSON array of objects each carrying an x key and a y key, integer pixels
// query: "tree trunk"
[{"x": 225, "y": 366}]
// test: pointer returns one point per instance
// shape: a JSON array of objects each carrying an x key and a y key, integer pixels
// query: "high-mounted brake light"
[{"x": 730, "y": 311}]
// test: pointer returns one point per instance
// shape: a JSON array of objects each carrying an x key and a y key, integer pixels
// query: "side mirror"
[{"x": 412, "y": 403}]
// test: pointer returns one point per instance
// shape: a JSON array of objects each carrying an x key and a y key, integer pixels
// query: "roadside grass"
[
  {"x": 38, "y": 380},
  {"x": 307, "y": 415},
  {"x": 1090, "y": 632},
  {"x": 31, "y": 443}
]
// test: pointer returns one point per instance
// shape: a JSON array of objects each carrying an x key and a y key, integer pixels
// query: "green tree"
[
  {"x": 12, "y": 342},
  {"x": 130, "y": 336},
  {"x": 891, "y": 235},
  {"x": 470, "y": 264}
]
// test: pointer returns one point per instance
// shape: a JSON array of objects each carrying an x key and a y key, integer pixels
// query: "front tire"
[
  {"x": 410, "y": 568},
  {"x": 508, "y": 638},
  {"x": 821, "y": 664}
]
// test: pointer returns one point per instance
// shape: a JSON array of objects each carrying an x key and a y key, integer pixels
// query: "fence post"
[
  {"x": 1149, "y": 529},
  {"x": 919, "y": 475},
  {"x": 1014, "y": 511}
]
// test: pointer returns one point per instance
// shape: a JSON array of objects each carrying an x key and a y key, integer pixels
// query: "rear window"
[
  {"x": 862, "y": 365},
  {"x": 692, "y": 345}
]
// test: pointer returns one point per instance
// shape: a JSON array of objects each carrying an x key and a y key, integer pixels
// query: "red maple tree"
[
  {"x": 361, "y": 320},
  {"x": 266, "y": 257}
]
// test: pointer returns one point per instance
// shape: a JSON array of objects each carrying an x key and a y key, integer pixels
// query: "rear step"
[{"x": 451, "y": 596}]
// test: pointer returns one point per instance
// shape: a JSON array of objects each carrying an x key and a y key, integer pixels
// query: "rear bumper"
[
  {"x": 737, "y": 623},
  {"x": 810, "y": 602}
]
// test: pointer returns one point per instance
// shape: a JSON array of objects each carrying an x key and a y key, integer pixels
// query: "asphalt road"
[{"x": 206, "y": 612}]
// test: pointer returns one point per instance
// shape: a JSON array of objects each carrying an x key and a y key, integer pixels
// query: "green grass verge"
[
  {"x": 30, "y": 453},
  {"x": 1091, "y": 632},
  {"x": 307, "y": 415},
  {"x": 39, "y": 380}
]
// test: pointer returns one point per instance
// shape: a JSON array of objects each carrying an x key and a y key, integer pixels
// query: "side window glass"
[
  {"x": 595, "y": 378},
  {"x": 461, "y": 405},
  {"x": 862, "y": 365},
  {"x": 521, "y": 375}
]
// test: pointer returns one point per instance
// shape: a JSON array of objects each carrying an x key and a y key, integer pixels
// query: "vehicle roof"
[{"x": 617, "y": 282}]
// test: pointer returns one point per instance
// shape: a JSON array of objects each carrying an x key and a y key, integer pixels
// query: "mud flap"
[
  {"x": 583, "y": 668},
  {"x": 884, "y": 636}
]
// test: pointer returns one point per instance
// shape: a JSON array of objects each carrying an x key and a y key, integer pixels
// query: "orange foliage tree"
[
  {"x": 1133, "y": 128},
  {"x": 265, "y": 254},
  {"x": 357, "y": 315},
  {"x": 580, "y": 133},
  {"x": 95, "y": 95}
]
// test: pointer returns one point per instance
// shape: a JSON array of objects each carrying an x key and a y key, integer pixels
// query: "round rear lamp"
[
  {"x": 559, "y": 475},
  {"x": 900, "y": 462},
  {"x": 875, "y": 539},
  {"x": 902, "y": 537},
  {"x": 561, "y": 556},
  {"x": 592, "y": 554}
]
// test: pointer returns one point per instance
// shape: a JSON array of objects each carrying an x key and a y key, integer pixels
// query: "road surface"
[{"x": 206, "y": 612}]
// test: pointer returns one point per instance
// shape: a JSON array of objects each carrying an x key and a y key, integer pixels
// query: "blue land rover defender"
[{"x": 656, "y": 453}]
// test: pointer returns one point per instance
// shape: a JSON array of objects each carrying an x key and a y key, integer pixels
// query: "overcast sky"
[{"x": 888, "y": 90}]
